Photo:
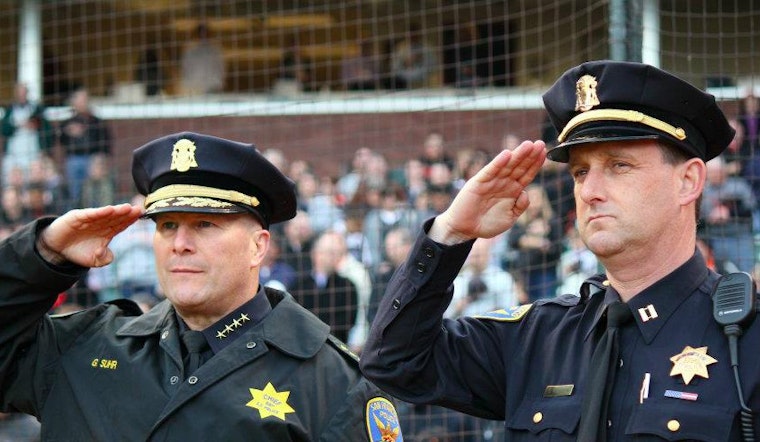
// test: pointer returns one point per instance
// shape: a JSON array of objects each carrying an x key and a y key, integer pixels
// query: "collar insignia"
[
  {"x": 585, "y": 93},
  {"x": 647, "y": 313},
  {"x": 270, "y": 402},
  {"x": 382, "y": 421},
  {"x": 232, "y": 326},
  {"x": 691, "y": 362},
  {"x": 183, "y": 156}
]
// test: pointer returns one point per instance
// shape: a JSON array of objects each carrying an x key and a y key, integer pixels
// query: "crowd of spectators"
[{"x": 351, "y": 232}]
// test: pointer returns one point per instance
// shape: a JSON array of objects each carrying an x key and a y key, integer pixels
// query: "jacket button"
[
  {"x": 421, "y": 267},
  {"x": 674, "y": 425},
  {"x": 250, "y": 345},
  {"x": 173, "y": 380},
  {"x": 396, "y": 304},
  {"x": 429, "y": 252},
  {"x": 192, "y": 380},
  {"x": 538, "y": 417},
  {"x": 165, "y": 334}
]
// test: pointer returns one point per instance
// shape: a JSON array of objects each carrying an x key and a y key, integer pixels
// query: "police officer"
[
  {"x": 638, "y": 355},
  {"x": 223, "y": 358}
]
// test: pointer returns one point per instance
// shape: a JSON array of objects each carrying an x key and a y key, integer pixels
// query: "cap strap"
[
  {"x": 621, "y": 115},
  {"x": 189, "y": 190}
]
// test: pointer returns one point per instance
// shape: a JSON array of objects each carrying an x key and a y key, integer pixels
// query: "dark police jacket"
[
  {"x": 528, "y": 365},
  {"x": 104, "y": 374}
]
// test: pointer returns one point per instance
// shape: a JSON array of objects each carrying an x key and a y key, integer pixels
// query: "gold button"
[
  {"x": 606, "y": 283},
  {"x": 674, "y": 425},
  {"x": 538, "y": 417}
]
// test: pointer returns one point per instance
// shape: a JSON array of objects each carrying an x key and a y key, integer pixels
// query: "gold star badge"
[
  {"x": 270, "y": 402},
  {"x": 691, "y": 362}
]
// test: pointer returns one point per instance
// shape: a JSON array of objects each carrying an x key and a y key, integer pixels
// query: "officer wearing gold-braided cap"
[
  {"x": 636, "y": 354},
  {"x": 222, "y": 358}
]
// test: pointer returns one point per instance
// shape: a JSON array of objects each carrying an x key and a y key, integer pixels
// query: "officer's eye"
[{"x": 166, "y": 225}]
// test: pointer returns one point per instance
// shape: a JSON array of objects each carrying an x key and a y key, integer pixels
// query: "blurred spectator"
[
  {"x": 19, "y": 427},
  {"x": 318, "y": 200},
  {"x": 415, "y": 182},
  {"x": 297, "y": 243},
  {"x": 356, "y": 242},
  {"x": 37, "y": 200},
  {"x": 349, "y": 182},
  {"x": 576, "y": 264},
  {"x": 353, "y": 270},
  {"x": 439, "y": 198},
  {"x": 467, "y": 57},
  {"x": 361, "y": 72},
  {"x": 480, "y": 286},
  {"x": 433, "y": 151},
  {"x": 274, "y": 271},
  {"x": 469, "y": 162},
  {"x": 722, "y": 266},
  {"x": 202, "y": 64},
  {"x": 45, "y": 173},
  {"x": 13, "y": 213},
  {"x": 82, "y": 135},
  {"x": 298, "y": 168},
  {"x": 728, "y": 206},
  {"x": 27, "y": 132},
  {"x": 733, "y": 156},
  {"x": 537, "y": 239},
  {"x": 328, "y": 295},
  {"x": 296, "y": 70},
  {"x": 398, "y": 243},
  {"x": 413, "y": 62},
  {"x": 148, "y": 71},
  {"x": 99, "y": 188},
  {"x": 133, "y": 270},
  {"x": 393, "y": 212},
  {"x": 749, "y": 118}
]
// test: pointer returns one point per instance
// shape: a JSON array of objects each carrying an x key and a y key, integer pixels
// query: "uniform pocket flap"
[
  {"x": 560, "y": 413},
  {"x": 679, "y": 420}
]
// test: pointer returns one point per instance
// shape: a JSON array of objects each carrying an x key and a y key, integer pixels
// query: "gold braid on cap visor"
[
  {"x": 189, "y": 190},
  {"x": 621, "y": 115}
]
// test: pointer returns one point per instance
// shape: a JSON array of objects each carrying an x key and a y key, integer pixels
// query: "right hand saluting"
[
  {"x": 81, "y": 236},
  {"x": 492, "y": 200}
]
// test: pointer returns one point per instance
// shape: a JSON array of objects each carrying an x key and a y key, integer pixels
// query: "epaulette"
[
  {"x": 343, "y": 348},
  {"x": 563, "y": 300},
  {"x": 129, "y": 307}
]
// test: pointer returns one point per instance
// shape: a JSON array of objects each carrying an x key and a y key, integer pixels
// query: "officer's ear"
[
  {"x": 692, "y": 174},
  {"x": 260, "y": 238}
]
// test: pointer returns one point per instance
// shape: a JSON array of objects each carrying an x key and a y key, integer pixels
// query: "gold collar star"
[{"x": 691, "y": 362}]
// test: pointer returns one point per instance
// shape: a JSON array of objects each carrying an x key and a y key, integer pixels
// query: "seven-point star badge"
[
  {"x": 691, "y": 362},
  {"x": 270, "y": 402}
]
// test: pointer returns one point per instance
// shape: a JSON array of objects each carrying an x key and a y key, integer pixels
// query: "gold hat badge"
[
  {"x": 585, "y": 93},
  {"x": 183, "y": 156}
]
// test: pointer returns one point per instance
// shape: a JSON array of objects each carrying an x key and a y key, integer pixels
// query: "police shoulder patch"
[
  {"x": 511, "y": 314},
  {"x": 382, "y": 421}
]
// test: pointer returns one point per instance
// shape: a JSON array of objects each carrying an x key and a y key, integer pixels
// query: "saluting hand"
[
  {"x": 81, "y": 236},
  {"x": 492, "y": 200}
]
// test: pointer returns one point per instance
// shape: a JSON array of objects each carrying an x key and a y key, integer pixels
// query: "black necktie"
[
  {"x": 601, "y": 377},
  {"x": 196, "y": 344}
]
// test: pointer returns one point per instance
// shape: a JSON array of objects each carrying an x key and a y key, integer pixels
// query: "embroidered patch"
[
  {"x": 382, "y": 421},
  {"x": 511, "y": 314},
  {"x": 270, "y": 402}
]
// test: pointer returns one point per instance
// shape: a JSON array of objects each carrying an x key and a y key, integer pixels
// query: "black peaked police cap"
[
  {"x": 190, "y": 172},
  {"x": 602, "y": 101}
]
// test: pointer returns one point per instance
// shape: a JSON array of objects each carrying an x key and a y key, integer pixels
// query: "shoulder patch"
[
  {"x": 382, "y": 421},
  {"x": 340, "y": 345},
  {"x": 511, "y": 314}
]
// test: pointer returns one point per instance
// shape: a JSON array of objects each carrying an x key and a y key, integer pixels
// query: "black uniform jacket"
[
  {"x": 104, "y": 374},
  {"x": 528, "y": 365}
]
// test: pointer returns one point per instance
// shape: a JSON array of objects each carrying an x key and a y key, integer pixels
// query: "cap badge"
[
  {"x": 691, "y": 362},
  {"x": 585, "y": 93},
  {"x": 183, "y": 156}
]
